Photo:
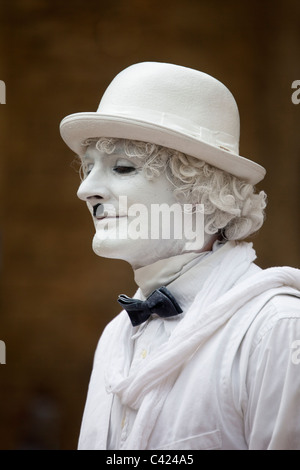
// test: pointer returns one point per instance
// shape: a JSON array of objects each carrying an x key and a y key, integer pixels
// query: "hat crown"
[
  {"x": 153, "y": 90},
  {"x": 169, "y": 105}
]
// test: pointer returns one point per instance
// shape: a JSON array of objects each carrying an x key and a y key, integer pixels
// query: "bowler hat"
[{"x": 169, "y": 105}]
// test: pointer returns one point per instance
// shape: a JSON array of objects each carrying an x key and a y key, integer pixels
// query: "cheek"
[
  {"x": 133, "y": 189},
  {"x": 156, "y": 191},
  {"x": 161, "y": 195},
  {"x": 140, "y": 190}
]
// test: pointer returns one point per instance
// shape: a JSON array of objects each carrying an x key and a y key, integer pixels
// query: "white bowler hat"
[{"x": 172, "y": 106}]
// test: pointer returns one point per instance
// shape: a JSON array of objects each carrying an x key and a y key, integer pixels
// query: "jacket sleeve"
[{"x": 272, "y": 414}]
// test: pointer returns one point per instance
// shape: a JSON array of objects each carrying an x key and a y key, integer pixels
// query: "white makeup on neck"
[{"x": 120, "y": 196}]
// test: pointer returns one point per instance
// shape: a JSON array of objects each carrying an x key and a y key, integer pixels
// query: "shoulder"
[{"x": 277, "y": 322}]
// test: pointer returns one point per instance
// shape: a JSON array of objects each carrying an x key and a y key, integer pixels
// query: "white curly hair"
[{"x": 232, "y": 207}]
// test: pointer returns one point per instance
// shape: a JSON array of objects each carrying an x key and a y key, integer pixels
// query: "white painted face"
[{"x": 120, "y": 198}]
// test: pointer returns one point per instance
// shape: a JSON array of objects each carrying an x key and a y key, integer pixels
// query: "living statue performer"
[{"x": 206, "y": 354}]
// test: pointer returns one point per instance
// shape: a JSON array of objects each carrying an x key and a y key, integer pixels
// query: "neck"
[{"x": 166, "y": 270}]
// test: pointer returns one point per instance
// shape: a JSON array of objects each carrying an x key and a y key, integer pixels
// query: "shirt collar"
[
  {"x": 187, "y": 285},
  {"x": 182, "y": 274},
  {"x": 164, "y": 271}
]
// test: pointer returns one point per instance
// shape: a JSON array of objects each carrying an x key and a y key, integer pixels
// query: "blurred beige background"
[{"x": 57, "y": 58}]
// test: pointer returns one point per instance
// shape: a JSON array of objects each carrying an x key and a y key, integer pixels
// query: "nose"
[{"x": 93, "y": 189}]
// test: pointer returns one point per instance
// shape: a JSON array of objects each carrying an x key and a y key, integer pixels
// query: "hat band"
[{"x": 176, "y": 123}]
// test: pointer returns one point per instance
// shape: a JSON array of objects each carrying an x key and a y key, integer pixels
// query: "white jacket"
[{"x": 228, "y": 378}]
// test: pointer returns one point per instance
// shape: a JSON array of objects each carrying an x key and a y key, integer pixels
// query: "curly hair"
[{"x": 232, "y": 207}]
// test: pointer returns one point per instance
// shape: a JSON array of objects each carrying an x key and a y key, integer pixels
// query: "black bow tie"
[{"x": 161, "y": 302}]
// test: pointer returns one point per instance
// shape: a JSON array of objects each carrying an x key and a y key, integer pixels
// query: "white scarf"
[{"x": 146, "y": 389}]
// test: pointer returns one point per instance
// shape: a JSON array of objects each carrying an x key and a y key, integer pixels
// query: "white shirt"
[
  {"x": 239, "y": 390},
  {"x": 183, "y": 282}
]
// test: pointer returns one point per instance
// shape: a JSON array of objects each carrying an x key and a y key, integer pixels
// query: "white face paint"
[{"x": 113, "y": 184}]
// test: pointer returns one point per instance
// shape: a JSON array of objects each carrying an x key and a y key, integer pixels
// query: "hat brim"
[{"x": 76, "y": 128}]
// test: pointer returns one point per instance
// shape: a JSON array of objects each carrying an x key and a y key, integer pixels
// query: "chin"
[
  {"x": 138, "y": 252},
  {"x": 112, "y": 248}
]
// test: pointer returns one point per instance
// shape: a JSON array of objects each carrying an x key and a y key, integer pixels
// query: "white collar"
[
  {"x": 183, "y": 274},
  {"x": 164, "y": 271}
]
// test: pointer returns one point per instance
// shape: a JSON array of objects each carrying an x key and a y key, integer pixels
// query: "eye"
[{"x": 123, "y": 170}]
